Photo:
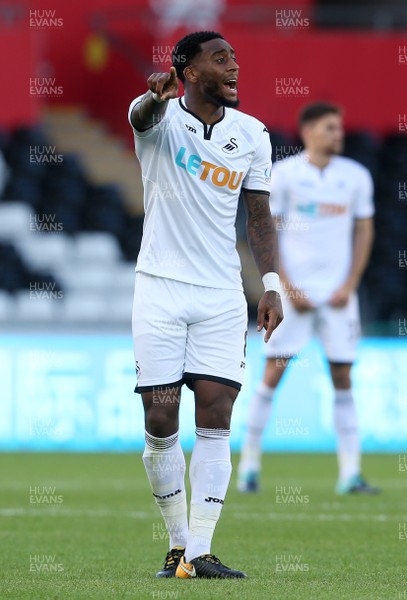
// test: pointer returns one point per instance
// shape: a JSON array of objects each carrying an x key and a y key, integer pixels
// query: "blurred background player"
[
  {"x": 323, "y": 206},
  {"x": 190, "y": 313}
]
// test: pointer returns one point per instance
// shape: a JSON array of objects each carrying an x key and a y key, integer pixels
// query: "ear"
[{"x": 190, "y": 74}]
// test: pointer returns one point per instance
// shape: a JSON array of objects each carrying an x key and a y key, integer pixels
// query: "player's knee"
[
  {"x": 160, "y": 424},
  {"x": 216, "y": 411},
  {"x": 217, "y": 420},
  {"x": 272, "y": 380},
  {"x": 341, "y": 378},
  {"x": 161, "y": 418},
  {"x": 274, "y": 370}
]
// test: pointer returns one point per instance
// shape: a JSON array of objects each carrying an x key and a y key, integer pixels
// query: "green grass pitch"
[{"x": 85, "y": 526}]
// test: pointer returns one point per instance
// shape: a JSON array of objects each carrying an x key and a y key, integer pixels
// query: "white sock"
[
  {"x": 209, "y": 473},
  {"x": 259, "y": 413},
  {"x": 165, "y": 465},
  {"x": 346, "y": 426}
]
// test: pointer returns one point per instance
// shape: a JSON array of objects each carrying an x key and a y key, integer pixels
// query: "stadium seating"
[
  {"x": 6, "y": 306},
  {"x": 69, "y": 245},
  {"x": 14, "y": 220}
]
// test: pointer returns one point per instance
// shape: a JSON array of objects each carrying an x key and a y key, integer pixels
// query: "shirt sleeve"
[
  {"x": 364, "y": 205},
  {"x": 277, "y": 191},
  {"x": 147, "y": 133},
  {"x": 257, "y": 178}
]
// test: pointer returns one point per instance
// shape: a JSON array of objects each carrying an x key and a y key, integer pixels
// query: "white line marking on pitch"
[
  {"x": 72, "y": 512},
  {"x": 318, "y": 517},
  {"x": 67, "y": 512},
  {"x": 70, "y": 485}
]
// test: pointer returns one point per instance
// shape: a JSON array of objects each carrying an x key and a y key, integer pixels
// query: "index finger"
[
  {"x": 163, "y": 79},
  {"x": 156, "y": 81},
  {"x": 272, "y": 324}
]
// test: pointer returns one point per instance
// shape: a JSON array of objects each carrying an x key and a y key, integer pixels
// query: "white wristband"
[
  {"x": 157, "y": 98},
  {"x": 271, "y": 282}
]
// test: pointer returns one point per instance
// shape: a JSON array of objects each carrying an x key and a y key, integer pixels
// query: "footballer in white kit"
[
  {"x": 197, "y": 155},
  {"x": 323, "y": 205},
  {"x": 192, "y": 176},
  {"x": 316, "y": 211}
]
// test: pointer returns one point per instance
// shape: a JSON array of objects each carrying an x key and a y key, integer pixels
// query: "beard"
[{"x": 213, "y": 93}]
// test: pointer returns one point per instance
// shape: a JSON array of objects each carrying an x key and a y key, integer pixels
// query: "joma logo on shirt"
[{"x": 219, "y": 176}]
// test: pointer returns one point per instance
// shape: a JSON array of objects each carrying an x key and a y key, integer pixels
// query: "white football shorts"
[
  {"x": 183, "y": 332},
  {"x": 338, "y": 330}
]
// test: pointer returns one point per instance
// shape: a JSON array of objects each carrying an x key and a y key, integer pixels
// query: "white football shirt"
[
  {"x": 317, "y": 209},
  {"x": 192, "y": 176}
]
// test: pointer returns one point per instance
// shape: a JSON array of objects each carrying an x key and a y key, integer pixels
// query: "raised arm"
[
  {"x": 151, "y": 108},
  {"x": 262, "y": 239}
]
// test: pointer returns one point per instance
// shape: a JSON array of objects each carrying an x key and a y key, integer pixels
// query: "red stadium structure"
[{"x": 360, "y": 69}]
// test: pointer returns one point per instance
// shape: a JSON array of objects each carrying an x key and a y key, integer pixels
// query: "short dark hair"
[
  {"x": 187, "y": 48},
  {"x": 317, "y": 110}
]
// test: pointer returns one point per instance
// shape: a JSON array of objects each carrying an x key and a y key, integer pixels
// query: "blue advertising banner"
[{"x": 75, "y": 393}]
